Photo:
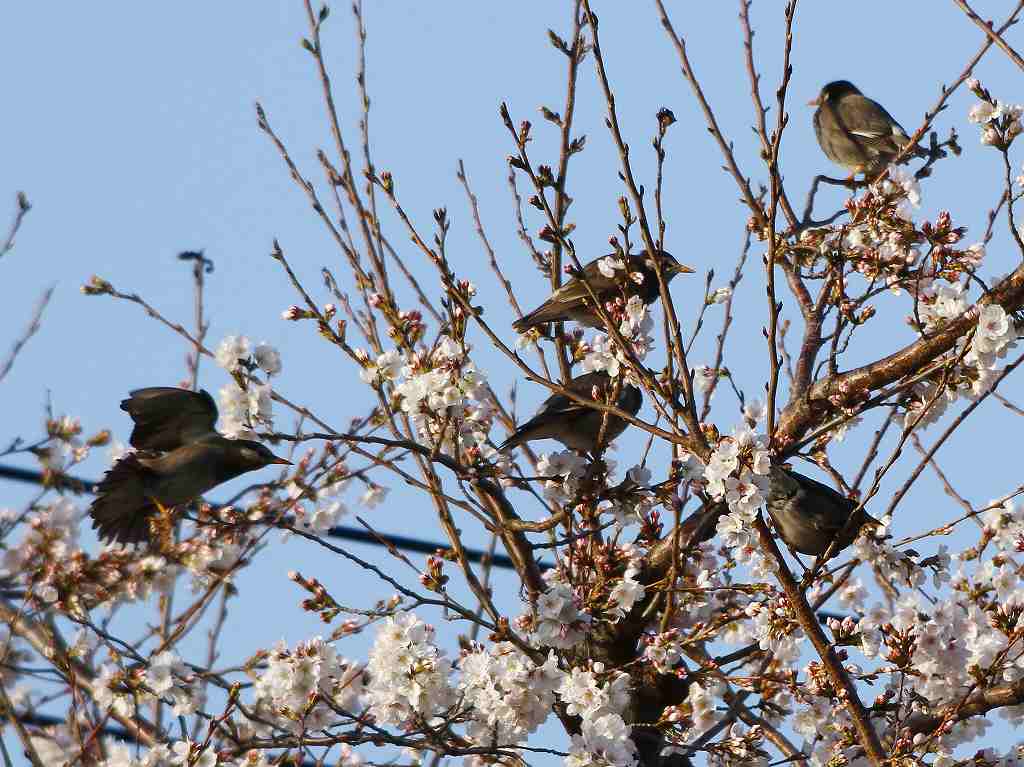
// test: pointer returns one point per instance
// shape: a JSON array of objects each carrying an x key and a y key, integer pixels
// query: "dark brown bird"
[
  {"x": 574, "y": 424},
  {"x": 572, "y": 302},
  {"x": 855, "y": 131},
  {"x": 809, "y": 515},
  {"x": 180, "y": 456}
]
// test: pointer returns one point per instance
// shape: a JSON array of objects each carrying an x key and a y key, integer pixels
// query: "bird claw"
[
  {"x": 812, "y": 573},
  {"x": 161, "y": 525}
]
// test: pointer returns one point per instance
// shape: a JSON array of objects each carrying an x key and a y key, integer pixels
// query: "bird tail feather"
[
  {"x": 514, "y": 441},
  {"x": 524, "y": 323},
  {"x": 122, "y": 510},
  {"x": 539, "y": 316}
]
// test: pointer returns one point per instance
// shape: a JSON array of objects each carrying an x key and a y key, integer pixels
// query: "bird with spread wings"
[{"x": 179, "y": 456}]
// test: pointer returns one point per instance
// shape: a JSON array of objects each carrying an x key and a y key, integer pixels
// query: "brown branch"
[
  {"x": 7, "y": 712},
  {"x": 939, "y": 105},
  {"x": 809, "y": 623},
  {"x": 347, "y": 179},
  {"x": 201, "y": 266},
  {"x": 574, "y": 52},
  {"x": 726, "y": 325},
  {"x": 838, "y": 390},
  {"x": 1007, "y": 404},
  {"x": 978, "y": 703},
  {"x": 993, "y": 36}
]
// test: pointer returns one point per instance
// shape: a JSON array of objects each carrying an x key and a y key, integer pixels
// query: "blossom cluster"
[
  {"x": 1000, "y": 123},
  {"x": 302, "y": 687},
  {"x": 663, "y": 650},
  {"x": 560, "y": 620},
  {"x": 236, "y": 353},
  {"x": 879, "y": 239},
  {"x": 64, "y": 446},
  {"x": 563, "y": 470},
  {"x": 626, "y": 592},
  {"x": 995, "y": 335},
  {"x": 599, "y": 698},
  {"x": 445, "y": 396},
  {"x": 775, "y": 629},
  {"x": 951, "y": 642},
  {"x": 167, "y": 677},
  {"x": 974, "y": 361},
  {"x": 324, "y": 496},
  {"x": 408, "y": 675},
  {"x": 64, "y": 576},
  {"x": 509, "y": 695},
  {"x": 736, "y": 473},
  {"x": 242, "y": 408},
  {"x": 699, "y": 714},
  {"x": 635, "y": 326}
]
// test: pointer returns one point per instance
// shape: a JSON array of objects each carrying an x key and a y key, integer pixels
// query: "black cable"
[{"x": 356, "y": 534}]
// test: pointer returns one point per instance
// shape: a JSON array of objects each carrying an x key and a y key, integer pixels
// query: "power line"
[{"x": 343, "y": 532}]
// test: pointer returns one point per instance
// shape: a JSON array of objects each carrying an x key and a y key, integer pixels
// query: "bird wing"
[
  {"x": 872, "y": 120},
  {"x": 167, "y": 418},
  {"x": 574, "y": 294},
  {"x": 575, "y": 424},
  {"x": 822, "y": 493},
  {"x": 556, "y": 409},
  {"x": 583, "y": 386},
  {"x": 560, "y": 404},
  {"x": 576, "y": 288}
]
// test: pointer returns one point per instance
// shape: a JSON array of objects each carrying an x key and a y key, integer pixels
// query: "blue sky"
[{"x": 133, "y": 134}]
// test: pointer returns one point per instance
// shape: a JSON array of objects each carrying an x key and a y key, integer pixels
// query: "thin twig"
[
  {"x": 24, "y": 206},
  {"x": 33, "y": 327}
]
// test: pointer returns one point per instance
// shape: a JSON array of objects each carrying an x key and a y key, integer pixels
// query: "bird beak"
[
  {"x": 815, "y": 102},
  {"x": 681, "y": 269},
  {"x": 283, "y": 461}
]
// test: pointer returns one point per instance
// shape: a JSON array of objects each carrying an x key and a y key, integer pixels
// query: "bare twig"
[
  {"x": 33, "y": 327},
  {"x": 23, "y": 208},
  {"x": 993, "y": 35}
]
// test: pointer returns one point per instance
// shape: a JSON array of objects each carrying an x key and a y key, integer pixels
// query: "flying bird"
[
  {"x": 179, "y": 456},
  {"x": 808, "y": 515},
  {"x": 855, "y": 131},
  {"x": 572, "y": 301},
  {"x": 575, "y": 425}
]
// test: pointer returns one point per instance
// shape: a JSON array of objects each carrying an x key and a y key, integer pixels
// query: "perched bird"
[
  {"x": 809, "y": 515},
  {"x": 574, "y": 424},
  {"x": 573, "y": 302},
  {"x": 855, "y": 131},
  {"x": 180, "y": 456}
]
